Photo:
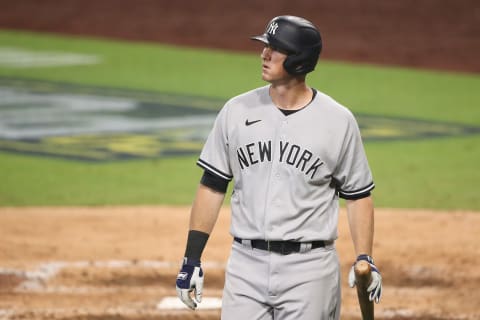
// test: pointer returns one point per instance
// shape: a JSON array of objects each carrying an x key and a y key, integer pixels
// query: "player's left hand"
[
  {"x": 375, "y": 287},
  {"x": 190, "y": 278}
]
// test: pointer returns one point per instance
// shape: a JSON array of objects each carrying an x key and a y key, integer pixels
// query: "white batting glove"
[
  {"x": 190, "y": 278},
  {"x": 375, "y": 287}
]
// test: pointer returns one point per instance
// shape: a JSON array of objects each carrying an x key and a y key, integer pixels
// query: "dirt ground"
[{"x": 120, "y": 262}]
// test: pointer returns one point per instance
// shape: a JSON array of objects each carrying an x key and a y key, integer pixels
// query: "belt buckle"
[
  {"x": 286, "y": 249},
  {"x": 272, "y": 246},
  {"x": 279, "y": 247}
]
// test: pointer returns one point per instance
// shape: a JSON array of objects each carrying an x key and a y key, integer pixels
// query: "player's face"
[{"x": 272, "y": 64}]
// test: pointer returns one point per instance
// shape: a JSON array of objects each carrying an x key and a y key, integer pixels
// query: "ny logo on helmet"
[{"x": 272, "y": 28}]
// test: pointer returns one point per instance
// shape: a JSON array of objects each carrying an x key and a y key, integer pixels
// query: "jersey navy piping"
[
  {"x": 357, "y": 193},
  {"x": 214, "y": 170}
]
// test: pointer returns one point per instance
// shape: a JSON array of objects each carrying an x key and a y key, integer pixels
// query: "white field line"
[
  {"x": 35, "y": 280},
  {"x": 173, "y": 303},
  {"x": 22, "y": 58}
]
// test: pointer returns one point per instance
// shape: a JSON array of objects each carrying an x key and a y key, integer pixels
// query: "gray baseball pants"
[{"x": 262, "y": 285}]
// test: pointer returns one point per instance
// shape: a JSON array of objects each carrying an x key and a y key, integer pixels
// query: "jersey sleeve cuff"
[
  {"x": 356, "y": 194},
  {"x": 213, "y": 170}
]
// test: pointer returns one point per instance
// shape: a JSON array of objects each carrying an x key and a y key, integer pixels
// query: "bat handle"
[{"x": 363, "y": 277}]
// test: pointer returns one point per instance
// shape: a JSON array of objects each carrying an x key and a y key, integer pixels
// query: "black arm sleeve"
[{"x": 214, "y": 182}]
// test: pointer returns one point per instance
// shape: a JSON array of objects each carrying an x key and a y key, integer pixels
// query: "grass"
[
  {"x": 28, "y": 181},
  {"x": 434, "y": 173},
  {"x": 438, "y": 173}
]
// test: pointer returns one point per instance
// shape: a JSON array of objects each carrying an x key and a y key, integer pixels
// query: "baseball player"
[{"x": 292, "y": 152}]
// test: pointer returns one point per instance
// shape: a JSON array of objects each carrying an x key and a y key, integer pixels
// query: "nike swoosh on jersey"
[{"x": 248, "y": 123}]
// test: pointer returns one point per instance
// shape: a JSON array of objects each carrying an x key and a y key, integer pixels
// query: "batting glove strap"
[
  {"x": 190, "y": 279},
  {"x": 365, "y": 257}
]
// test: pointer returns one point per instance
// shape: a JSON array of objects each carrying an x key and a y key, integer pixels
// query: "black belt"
[{"x": 282, "y": 247}]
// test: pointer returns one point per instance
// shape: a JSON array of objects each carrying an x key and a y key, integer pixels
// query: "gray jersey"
[{"x": 288, "y": 171}]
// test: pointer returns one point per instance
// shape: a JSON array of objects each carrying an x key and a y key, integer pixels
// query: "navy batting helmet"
[{"x": 298, "y": 38}]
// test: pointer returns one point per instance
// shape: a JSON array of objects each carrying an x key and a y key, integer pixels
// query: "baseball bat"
[{"x": 363, "y": 277}]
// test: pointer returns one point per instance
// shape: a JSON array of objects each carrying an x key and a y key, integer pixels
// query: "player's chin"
[
  {"x": 270, "y": 78},
  {"x": 266, "y": 75}
]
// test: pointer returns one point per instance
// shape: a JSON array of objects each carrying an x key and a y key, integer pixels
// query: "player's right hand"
[{"x": 190, "y": 279}]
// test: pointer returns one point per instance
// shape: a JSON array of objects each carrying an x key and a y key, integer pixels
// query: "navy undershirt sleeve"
[{"x": 214, "y": 182}]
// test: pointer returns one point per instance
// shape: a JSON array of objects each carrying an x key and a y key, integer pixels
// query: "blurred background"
[{"x": 440, "y": 34}]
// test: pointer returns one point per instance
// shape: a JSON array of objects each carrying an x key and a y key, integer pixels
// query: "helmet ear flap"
[{"x": 300, "y": 63}]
